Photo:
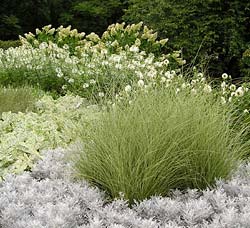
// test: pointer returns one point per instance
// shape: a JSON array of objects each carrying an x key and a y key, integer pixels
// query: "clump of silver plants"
[{"x": 49, "y": 197}]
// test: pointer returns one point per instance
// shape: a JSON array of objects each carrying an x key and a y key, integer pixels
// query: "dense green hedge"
[{"x": 218, "y": 30}]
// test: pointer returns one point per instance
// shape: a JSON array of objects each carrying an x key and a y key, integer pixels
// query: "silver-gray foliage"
[{"x": 49, "y": 197}]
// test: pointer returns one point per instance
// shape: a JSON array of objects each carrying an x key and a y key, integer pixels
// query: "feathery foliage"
[{"x": 161, "y": 141}]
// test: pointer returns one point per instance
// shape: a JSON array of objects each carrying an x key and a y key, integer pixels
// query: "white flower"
[
  {"x": 232, "y": 87},
  {"x": 169, "y": 75},
  {"x": 134, "y": 49},
  {"x": 194, "y": 91},
  {"x": 223, "y": 100},
  {"x": 140, "y": 83},
  {"x": 58, "y": 70},
  {"x": 101, "y": 94},
  {"x": 59, "y": 75},
  {"x": 158, "y": 64},
  {"x": 128, "y": 88},
  {"x": 223, "y": 85},
  {"x": 71, "y": 80},
  {"x": 224, "y": 76},
  {"x": 85, "y": 85},
  {"x": 74, "y": 71},
  {"x": 184, "y": 85},
  {"x": 64, "y": 87},
  {"x": 118, "y": 66},
  {"x": 163, "y": 79},
  {"x": 177, "y": 90},
  {"x": 139, "y": 74},
  {"x": 78, "y": 104},
  {"x": 105, "y": 63},
  {"x": 104, "y": 51},
  {"x": 115, "y": 44},
  {"x": 200, "y": 75},
  {"x": 131, "y": 66},
  {"x": 38, "y": 31},
  {"x": 239, "y": 92},
  {"x": 66, "y": 46},
  {"x": 203, "y": 79},
  {"x": 233, "y": 94},
  {"x": 163, "y": 41},
  {"x": 194, "y": 81},
  {"x": 246, "y": 111},
  {"x": 152, "y": 73},
  {"x": 92, "y": 81},
  {"x": 68, "y": 60},
  {"x": 207, "y": 89},
  {"x": 43, "y": 45},
  {"x": 166, "y": 62},
  {"x": 149, "y": 60},
  {"x": 116, "y": 58}
]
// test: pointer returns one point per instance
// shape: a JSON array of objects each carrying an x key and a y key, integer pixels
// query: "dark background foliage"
[
  {"x": 217, "y": 30},
  {"x": 213, "y": 33},
  {"x": 18, "y": 16}
]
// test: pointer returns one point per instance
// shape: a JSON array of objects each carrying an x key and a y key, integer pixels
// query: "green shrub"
[
  {"x": 116, "y": 38},
  {"x": 221, "y": 28},
  {"x": 163, "y": 140},
  {"x": 60, "y": 36},
  {"x": 17, "y": 99},
  {"x": 9, "y": 43},
  {"x": 61, "y": 60}
]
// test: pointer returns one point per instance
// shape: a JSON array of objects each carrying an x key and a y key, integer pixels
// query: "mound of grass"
[
  {"x": 162, "y": 141},
  {"x": 20, "y": 99},
  {"x": 5, "y": 44}
]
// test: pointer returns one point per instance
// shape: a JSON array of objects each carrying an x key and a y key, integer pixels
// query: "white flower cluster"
[
  {"x": 231, "y": 93},
  {"x": 88, "y": 71}
]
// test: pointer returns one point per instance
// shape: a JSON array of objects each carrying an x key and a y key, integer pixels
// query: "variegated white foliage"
[{"x": 23, "y": 135}]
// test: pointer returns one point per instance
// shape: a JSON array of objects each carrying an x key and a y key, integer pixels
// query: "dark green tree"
[
  {"x": 18, "y": 16},
  {"x": 93, "y": 15},
  {"x": 217, "y": 30}
]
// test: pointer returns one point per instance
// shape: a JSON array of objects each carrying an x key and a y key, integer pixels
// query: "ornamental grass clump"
[
  {"x": 19, "y": 99},
  {"x": 163, "y": 140}
]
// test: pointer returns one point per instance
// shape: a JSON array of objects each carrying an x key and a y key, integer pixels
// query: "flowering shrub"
[
  {"x": 116, "y": 38},
  {"x": 63, "y": 37},
  {"x": 94, "y": 72},
  {"x": 24, "y": 135}
]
